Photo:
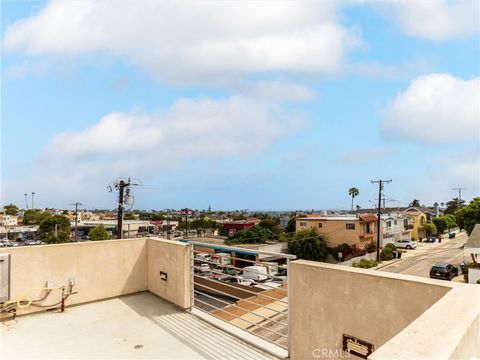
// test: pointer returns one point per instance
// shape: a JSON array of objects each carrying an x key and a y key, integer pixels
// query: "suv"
[
  {"x": 406, "y": 244},
  {"x": 443, "y": 271}
]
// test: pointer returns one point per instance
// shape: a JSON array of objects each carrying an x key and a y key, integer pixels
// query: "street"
[{"x": 418, "y": 262}]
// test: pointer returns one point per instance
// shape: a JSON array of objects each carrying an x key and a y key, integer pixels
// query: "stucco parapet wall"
[
  {"x": 374, "y": 273},
  {"x": 101, "y": 269},
  {"x": 449, "y": 329}
]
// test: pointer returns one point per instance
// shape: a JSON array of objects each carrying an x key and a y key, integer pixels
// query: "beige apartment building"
[{"x": 355, "y": 230}]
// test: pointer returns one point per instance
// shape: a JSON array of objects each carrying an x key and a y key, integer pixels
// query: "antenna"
[{"x": 459, "y": 194}]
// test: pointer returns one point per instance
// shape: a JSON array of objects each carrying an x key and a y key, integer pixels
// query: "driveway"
[{"x": 419, "y": 261}]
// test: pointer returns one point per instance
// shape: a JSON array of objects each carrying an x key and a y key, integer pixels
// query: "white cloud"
[
  {"x": 236, "y": 126},
  {"x": 436, "y": 108},
  {"x": 189, "y": 41},
  {"x": 190, "y": 135},
  {"x": 438, "y": 20}
]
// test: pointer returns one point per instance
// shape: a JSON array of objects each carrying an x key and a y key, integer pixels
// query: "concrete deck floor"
[{"x": 137, "y": 326}]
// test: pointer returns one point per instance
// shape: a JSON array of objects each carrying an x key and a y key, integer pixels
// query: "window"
[
  {"x": 303, "y": 223},
  {"x": 320, "y": 225},
  {"x": 395, "y": 222},
  {"x": 389, "y": 224},
  {"x": 350, "y": 226}
]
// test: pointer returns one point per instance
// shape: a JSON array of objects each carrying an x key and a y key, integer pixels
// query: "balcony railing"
[{"x": 251, "y": 294}]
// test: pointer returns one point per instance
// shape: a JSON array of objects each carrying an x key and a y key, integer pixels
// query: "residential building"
[
  {"x": 358, "y": 231},
  {"x": 418, "y": 219},
  {"x": 229, "y": 228},
  {"x": 471, "y": 253},
  {"x": 395, "y": 226},
  {"x": 8, "y": 220}
]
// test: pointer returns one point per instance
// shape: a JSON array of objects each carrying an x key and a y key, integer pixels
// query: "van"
[
  {"x": 202, "y": 257},
  {"x": 256, "y": 272}
]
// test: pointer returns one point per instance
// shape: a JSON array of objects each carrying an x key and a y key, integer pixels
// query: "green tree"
[
  {"x": 129, "y": 216},
  {"x": 440, "y": 223},
  {"x": 415, "y": 202},
  {"x": 271, "y": 224},
  {"x": 152, "y": 216},
  {"x": 11, "y": 209},
  {"x": 451, "y": 221},
  {"x": 454, "y": 205},
  {"x": 54, "y": 229},
  {"x": 468, "y": 216},
  {"x": 99, "y": 233},
  {"x": 203, "y": 224},
  {"x": 308, "y": 245},
  {"x": 353, "y": 192},
  {"x": 430, "y": 229},
  {"x": 254, "y": 235},
  {"x": 34, "y": 216},
  {"x": 290, "y": 228}
]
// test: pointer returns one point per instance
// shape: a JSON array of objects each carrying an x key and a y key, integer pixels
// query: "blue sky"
[{"x": 248, "y": 105}]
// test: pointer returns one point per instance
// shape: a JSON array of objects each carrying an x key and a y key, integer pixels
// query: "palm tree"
[{"x": 353, "y": 192}]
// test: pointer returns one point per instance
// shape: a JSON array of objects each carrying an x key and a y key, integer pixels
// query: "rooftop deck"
[{"x": 140, "y": 326}]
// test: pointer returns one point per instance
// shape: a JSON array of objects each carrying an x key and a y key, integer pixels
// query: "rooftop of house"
[
  {"x": 363, "y": 217},
  {"x": 137, "y": 298},
  {"x": 473, "y": 241},
  {"x": 137, "y": 326}
]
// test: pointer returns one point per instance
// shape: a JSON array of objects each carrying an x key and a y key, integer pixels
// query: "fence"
[{"x": 245, "y": 288}]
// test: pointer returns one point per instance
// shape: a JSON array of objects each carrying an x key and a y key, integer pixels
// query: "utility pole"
[
  {"x": 379, "y": 211},
  {"x": 459, "y": 195},
  {"x": 77, "y": 204},
  {"x": 33, "y": 195},
  {"x": 122, "y": 186},
  {"x": 26, "y": 200}
]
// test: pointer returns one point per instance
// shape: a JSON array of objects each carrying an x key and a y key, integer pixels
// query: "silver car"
[{"x": 406, "y": 244}]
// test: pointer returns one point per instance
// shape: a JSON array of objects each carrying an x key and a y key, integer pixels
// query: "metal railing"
[{"x": 240, "y": 287}]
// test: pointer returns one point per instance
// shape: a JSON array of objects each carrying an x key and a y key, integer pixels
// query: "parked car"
[
  {"x": 406, "y": 244},
  {"x": 240, "y": 280},
  {"x": 256, "y": 272},
  {"x": 203, "y": 268},
  {"x": 443, "y": 271},
  {"x": 451, "y": 235},
  {"x": 202, "y": 257}
]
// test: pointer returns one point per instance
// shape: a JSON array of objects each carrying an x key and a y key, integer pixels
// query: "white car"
[{"x": 406, "y": 244}]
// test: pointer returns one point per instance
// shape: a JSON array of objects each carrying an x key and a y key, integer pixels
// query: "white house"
[{"x": 395, "y": 227}]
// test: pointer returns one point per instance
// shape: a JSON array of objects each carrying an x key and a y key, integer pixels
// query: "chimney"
[{"x": 436, "y": 209}]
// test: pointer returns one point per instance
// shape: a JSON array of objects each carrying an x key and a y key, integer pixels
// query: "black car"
[{"x": 443, "y": 271}]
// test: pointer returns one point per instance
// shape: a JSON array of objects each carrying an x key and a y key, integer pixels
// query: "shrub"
[
  {"x": 386, "y": 254},
  {"x": 391, "y": 246},
  {"x": 344, "y": 248},
  {"x": 365, "y": 264}
]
